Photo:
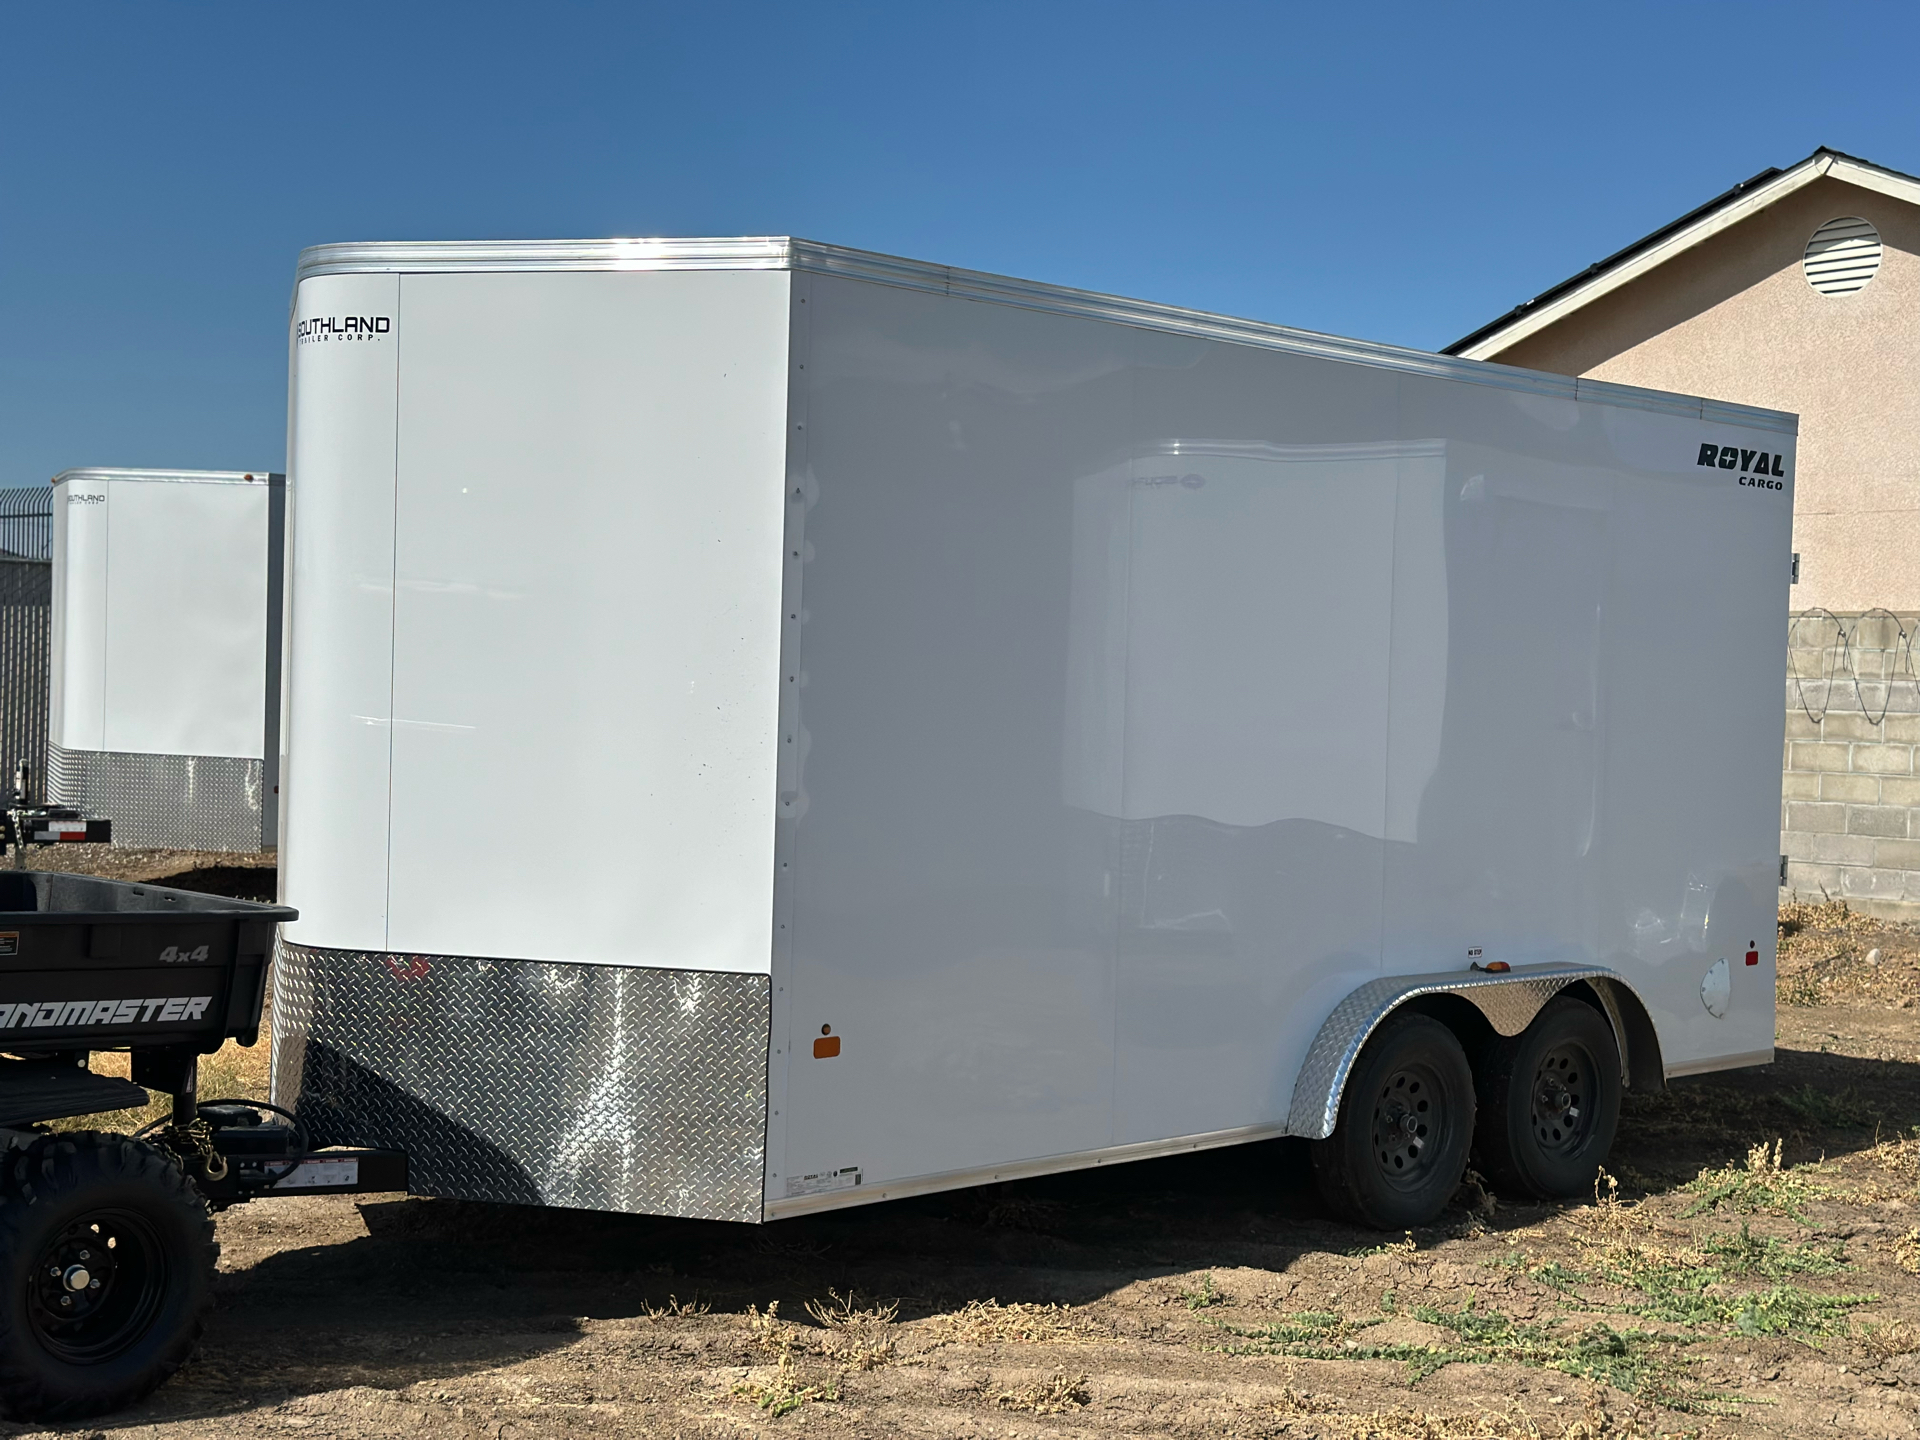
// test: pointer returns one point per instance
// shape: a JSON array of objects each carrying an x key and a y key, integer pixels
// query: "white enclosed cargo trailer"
[
  {"x": 164, "y": 709},
  {"x": 972, "y": 729}
]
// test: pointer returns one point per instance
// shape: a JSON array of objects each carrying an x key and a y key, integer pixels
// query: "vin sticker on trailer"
[
  {"x": 314, "y": 1174},
  {"x": 825, "y": 1182}
]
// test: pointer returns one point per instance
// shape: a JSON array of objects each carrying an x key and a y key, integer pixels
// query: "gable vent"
[{"x": 1842, "y": 256}]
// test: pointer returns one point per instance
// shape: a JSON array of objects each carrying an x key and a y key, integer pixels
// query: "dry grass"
[
  {"x": 1324, "y": 1417},
  {"x": 674, "y": 1309},
  {"x": 1899, "y": 1157},
  {"x": 855, "y": 1336},
  {"x": 988, "y": 1322},
  {"x": 1885, "y": 1342},
  {"x": 808, "y": 1362},
  {"x": 791, "y": 1381},
  {"x": 233, "y": 1072},
  {"x": 1828, "y": 955},
  {"x": 784, "y": 1388},
  {"x": 1762, "y": 1184},
  {"x": 1058, "y": 1394},
  {"x": 1626, "y": 1243},
  {"x": 1906, "y": 1252}
]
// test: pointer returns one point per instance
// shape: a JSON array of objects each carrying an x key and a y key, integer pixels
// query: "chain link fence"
[{"x": 26, "y": 609}]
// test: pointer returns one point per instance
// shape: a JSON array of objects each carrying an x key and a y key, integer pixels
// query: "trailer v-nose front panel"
[
  {"x": 981, "y": 728},
  {"x": 164, "y": 712}
]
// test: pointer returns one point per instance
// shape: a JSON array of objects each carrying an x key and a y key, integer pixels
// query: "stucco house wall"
[{"x": 1735, "y": 319}]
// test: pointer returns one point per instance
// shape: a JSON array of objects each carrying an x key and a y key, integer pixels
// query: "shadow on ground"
[
  {"x": 1817, "y": 1103},
  {"x": 438, "y": 1288}
]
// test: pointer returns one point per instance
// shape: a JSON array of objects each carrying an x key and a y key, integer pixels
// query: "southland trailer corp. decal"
[
  {"x": 60, "y": 1014},
  {"x": 322, "y": 328}
]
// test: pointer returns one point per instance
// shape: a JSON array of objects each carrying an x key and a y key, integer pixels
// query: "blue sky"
[{"x": 1401, "y": 172}]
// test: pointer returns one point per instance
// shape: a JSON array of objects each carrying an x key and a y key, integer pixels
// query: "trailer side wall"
[{"x": 1159, "y": 691}]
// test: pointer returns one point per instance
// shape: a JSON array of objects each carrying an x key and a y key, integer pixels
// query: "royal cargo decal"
[
  {"x": 67, "y": 1014},
  {"x": 1757, "y": 468}
]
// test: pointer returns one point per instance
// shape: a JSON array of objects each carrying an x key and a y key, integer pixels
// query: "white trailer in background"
[
  {"x": 165, "y": 686},
  {"x": 985, "y": 729}
]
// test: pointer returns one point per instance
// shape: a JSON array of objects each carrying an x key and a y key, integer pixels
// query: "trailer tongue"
[{"x": 106, "y": 1240}]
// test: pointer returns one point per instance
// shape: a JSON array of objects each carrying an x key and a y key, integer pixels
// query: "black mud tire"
[
  {"x": 1549, "y": 1103},
  {"x": 60, "y": 1198},
  {"x": 1397, "y": 1154}
]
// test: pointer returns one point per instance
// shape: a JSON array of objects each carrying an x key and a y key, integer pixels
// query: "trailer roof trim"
[
  {"x": 785, "y": 253},
  {"x": 175, "y": 477}
]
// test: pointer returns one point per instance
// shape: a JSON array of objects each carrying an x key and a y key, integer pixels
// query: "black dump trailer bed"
[
  {"x": 106, "y": 1239},
  {"x": 87, "y": 963}
]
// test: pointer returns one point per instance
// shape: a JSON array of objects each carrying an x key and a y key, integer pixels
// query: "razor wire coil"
[{"x": 1840, "y": 648}]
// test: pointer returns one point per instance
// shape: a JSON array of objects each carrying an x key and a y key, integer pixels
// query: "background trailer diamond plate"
[
  {"x": 602, "y": 1087},
  {"x": 166, "y": 802}
]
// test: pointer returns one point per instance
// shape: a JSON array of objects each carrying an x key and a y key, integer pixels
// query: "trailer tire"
[
  {"x": 1406, "y": 1123},
  {"x": 142, "y": 1297},
  {"x": 1550, "y": 1102}
]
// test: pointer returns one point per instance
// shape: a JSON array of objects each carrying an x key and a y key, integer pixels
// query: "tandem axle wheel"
[{"x": 1537, "y": 1112}]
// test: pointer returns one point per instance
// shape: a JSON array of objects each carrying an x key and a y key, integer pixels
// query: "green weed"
[
  {"x": 1827, "y": 1110},
  {"x": 1763, "y": 1183},
  {"x": 1772, "y": 1259},
  {"x": 1550, "y": 1273},
  {"x": 1205, "y": 1296},
  {"x": 1482, "y": 1337},
  {"x": 1397, "y": 1247}
]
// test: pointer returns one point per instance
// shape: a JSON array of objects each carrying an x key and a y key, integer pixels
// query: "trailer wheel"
[
  {"x": 107, "y": 1256},
  {"x": 1406, "y": 1122},
  {"x": 1550, "y": 1101}
]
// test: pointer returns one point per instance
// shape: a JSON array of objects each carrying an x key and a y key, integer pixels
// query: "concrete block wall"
[{"x": 1850, "y": 787}]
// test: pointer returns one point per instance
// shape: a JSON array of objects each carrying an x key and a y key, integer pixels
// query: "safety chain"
[{"x": 193, "y": 1144}]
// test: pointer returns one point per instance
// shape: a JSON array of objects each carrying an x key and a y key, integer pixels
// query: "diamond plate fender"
[{"x": 1508, "y": 1001}]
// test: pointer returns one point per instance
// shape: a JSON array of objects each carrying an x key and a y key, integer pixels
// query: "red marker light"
[{"x": 1753, "y": 954}]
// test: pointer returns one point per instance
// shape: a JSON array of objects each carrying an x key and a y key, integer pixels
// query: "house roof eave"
[{"x": 1629, "y": 264}]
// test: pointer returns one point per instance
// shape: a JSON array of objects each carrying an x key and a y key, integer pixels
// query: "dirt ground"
[{"x": 1752, "y": 1267}]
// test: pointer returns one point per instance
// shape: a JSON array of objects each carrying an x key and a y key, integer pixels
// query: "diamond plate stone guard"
[
  {"x": 599, "y": 1087},
  {"x": 163, "y": 802},
  {"x": 1509, "y": 1002}
]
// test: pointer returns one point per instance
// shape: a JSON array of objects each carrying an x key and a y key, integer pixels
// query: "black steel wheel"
[
  {"x": 106, "y": 1258},
  {"x": 1550, "y": 1102},
  {"x": 98, "y": 1285},
  {"x": 1406, "y": 1120}
]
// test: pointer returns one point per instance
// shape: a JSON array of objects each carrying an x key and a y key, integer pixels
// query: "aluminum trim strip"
[
  {"x": 1724, "y": 1062},
  {"x": 768, "y": 252},
  {"x": 1509, "y": 1002},
  {"x": 1018, "y": 1170},
  {"x": 175, "y": 477},
  {"x": 1256, "y": 450}
]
